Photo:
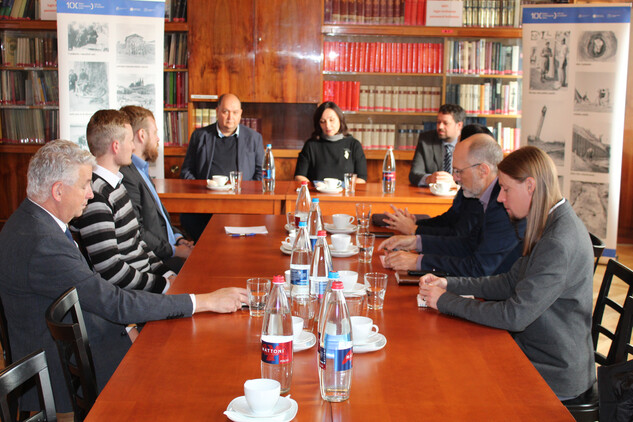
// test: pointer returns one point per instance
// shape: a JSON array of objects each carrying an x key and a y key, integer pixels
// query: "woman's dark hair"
[
  {"x": 472, "y": 129},
  {"x": 318, "y": 133}
]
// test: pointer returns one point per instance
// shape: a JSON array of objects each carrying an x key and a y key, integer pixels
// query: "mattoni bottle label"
[
  {"x": 299, "y": 275},
  {"x": 276, "y": 352},
  {"x": 389, "y": 176},
  {"x": 342, "y": 358}
]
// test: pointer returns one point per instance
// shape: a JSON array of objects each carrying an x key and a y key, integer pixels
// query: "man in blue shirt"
[{"x": 156, "y": 229}]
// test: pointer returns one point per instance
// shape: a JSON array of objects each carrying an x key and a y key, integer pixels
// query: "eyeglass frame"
[{"x": 458, "y": 172}]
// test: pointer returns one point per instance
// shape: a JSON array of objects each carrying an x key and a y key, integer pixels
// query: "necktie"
[
  {"x": 448, "y": 158},
  {"x": 69, "y": 236}
]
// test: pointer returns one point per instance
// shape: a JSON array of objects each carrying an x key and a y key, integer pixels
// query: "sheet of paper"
[{"x": 246, "y": 230}]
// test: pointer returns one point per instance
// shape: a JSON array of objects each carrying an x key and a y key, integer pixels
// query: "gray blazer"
[
  {"x": 428, "y": 157},
  {"x": 37, "y": 264},
  {"x": 150, "y": 219},
  {"x": 250, "y": 154},
  {"x": 545, "y": 301}
]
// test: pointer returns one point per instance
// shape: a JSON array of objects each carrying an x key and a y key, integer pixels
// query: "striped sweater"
[{"x": 110, "y": 233}]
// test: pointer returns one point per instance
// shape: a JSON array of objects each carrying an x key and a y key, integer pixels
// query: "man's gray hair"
[
  {"x": 484, "y": 149},
  {"x": 57, "y": 161}
]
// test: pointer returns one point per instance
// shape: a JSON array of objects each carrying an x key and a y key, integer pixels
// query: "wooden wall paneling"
[
  {"x": 221, "y": 47},
  {"x": 288, "y": 51},
  {"x": 14, "y": 163}
]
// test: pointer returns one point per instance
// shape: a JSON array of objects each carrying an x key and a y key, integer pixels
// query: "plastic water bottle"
[
  {"x": 302, "y": 207},
  {"x": 315, "y": 221},
  {"x": 320, "y": 268},
  {"x": 389, "y": 172},
  {"x": 300, "y": 261},
  {"x": 277, "y": 336},
  {"x": 268, "y": 170},
  {"x": 335, "y": 347}
]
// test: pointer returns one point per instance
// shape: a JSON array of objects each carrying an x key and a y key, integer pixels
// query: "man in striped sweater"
[{"x": 108, "y": 228}]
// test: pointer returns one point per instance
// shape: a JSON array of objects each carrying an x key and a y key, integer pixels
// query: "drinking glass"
[
  {"x": 356, "y": 302},
  {"x": 236, "y": 181},
  {"x": 258, "y": 289},
  {"x": 365, "y": 242},
  {"x": 363, "y": 214},
  {"x": 350, "y": 183},
  {"x": 376, "y": 285}
]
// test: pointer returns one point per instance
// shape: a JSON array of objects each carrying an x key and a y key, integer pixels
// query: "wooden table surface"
[
  {"x": 180, "y": 195},
  {"x": 434, "y": 367}
]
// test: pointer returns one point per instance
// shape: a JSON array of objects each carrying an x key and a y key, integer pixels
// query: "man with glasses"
[{"x": 473, "y": 238}]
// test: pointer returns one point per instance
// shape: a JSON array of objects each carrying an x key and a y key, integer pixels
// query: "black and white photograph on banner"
[
  {"x": 549, "y": 59},
  {"x": 547, "y": 134},
  {"x": 590, "y": 201},
  {"x": 590, "y": 146},
  {"x": 597, "y": 46},
  {"x": 86, "y": 37},
  {"x": 593, "y": 91},
  {"x": 135, "y": 86},
  {"x": 135, "y": 44},
  {"x": 89, "y": 89},
  {"x": 78, "y": 135}
]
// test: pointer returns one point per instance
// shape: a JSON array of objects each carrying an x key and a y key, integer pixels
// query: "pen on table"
[{"x": 241, "y": 234}]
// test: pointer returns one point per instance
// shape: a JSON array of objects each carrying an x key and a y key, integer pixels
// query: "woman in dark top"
[{"x": 331, "y": 151}]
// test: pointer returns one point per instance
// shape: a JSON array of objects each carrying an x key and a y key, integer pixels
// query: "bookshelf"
[{"x": 176, "y": 84}]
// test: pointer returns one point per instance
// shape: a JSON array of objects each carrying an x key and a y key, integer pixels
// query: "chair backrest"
[
  {"x": 74, "y": 351},
  {"x": 4, "y": 338},
  {"x": 598, "y": 248},
  {"x": 12, "y": 378},
  {"x": 620, "y": 339}
]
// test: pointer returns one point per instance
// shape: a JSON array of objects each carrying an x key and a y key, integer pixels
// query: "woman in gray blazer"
[{"x": 545, "y": 301}]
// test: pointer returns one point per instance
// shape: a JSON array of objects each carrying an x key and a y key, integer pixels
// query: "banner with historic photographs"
[
  {"x": 574, "y": 93},
  {"x": 110, "y": 55}
]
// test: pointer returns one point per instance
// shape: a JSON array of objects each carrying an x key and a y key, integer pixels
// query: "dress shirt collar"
[
  {"x": 59, "y": 222},
  {"x": 485, "y": 197},
  {"x": 140, "y": 164},
  {"x": 558, "y": 204},
  {"x": 113, "y": 179},
  {"x": 453, "y": 143},
  {"x": 221, "y": 135}
]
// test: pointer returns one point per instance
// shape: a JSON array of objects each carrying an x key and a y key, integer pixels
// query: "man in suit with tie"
[
  {"x": 433, "y": 158},
  {"x": 218, "y": 149},
  {"x": 156, "y": 230},
  {"x": 39, "y": 261}
]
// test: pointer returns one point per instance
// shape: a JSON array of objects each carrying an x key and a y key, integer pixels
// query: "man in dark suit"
[
  {"x": 39, "y": 261},
  {"x": 155, "y": 224},
  {"x": 432, "y": 161},
  {"x": 218, "y": 149},
  {"x": 493, "y": 242}
]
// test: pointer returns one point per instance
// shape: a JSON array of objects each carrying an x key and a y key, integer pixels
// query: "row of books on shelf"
[
  {"x": 383, "y": 57},
  {"x": 176, "y": 10},
  {"x": 176, "y": 86},
  {"x": 21, "y": 126},
  {"x": 484, "y": 57},
  {"x": 34, "y": 50},
  {"x": 175, "y": 128},
  {"x": 175, "y": 56},
  {"x": 487, "y": 13},
  {"x": 19, "y": 9},
  {"x": 490, "y": 97},
  {"x": 204, "y": 117},
  {"x": 34, "y": 87}
]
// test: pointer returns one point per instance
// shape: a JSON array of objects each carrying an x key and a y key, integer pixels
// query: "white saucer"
[
  {"x": 449, "y": 193},
  {"x": 351, "y": 250},
  {"x": 285, "y": 251},
  {"x": 239, "y": 411},
  {"x": 305, "y": 342},
  {"x": 326, "y": 190},
  {"x": 288, "y": 245},
  {"x": 333, "y": 229},
  {"x": 219, "y": 188},
  {"x": 358, "y": 288},
  {"x": 374, "y": 342}
]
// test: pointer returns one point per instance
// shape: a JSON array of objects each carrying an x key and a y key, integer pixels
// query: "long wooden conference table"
[
  {"x": 193, "y": 196},
  {"x": 434, "y": 367}
]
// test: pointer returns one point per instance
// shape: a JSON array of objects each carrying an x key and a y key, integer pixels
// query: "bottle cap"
[
  {"x": 302, "y": 223},
  {"x": 315, "y": 199},
  {"x": 305, "y": 182},
  {"x": 279, "y": 279},
  {"x": 337, "y": 285},
  {"x": 333, "y": 274},
  {"x": 269, "y": 145},
  {"x": 322, "y": 233},
  {"x": 390, "y": 147}
]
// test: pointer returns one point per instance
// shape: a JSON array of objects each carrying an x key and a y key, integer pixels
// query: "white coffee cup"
[
  {"x": 220, "y": 180},
  {"x": 362, "y": 327},
  {"x": 440, "y": 187},
  {"x": 262, "y": 395},
  {"x": 349, "y": 279},
  {"x": 332, "y": 183},
  {"x": 297, "y": 327},
  {"x": 342, "y": 221},
  {"x": 289, "y": 241},
  {"x": 340, "y": 242}
]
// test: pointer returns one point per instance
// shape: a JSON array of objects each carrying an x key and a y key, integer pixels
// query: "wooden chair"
[
  {"x": 587, "y": 408},
  {"x": 598, "y": 248},
  {"x": 12, "y": 378},
  {"x": 74, "y": 351}
]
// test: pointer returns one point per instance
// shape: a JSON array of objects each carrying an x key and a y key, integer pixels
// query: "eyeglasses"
[{"x": 458, "y": 172}]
